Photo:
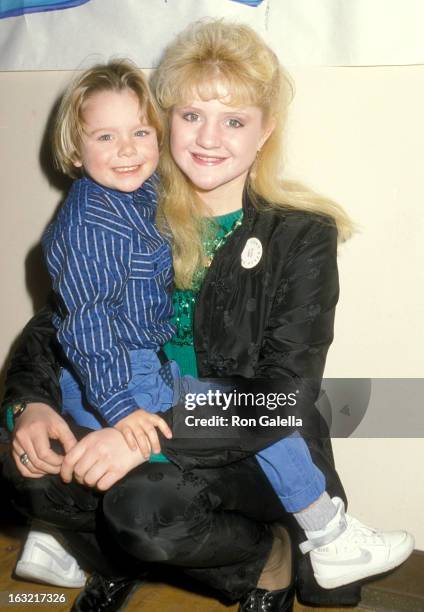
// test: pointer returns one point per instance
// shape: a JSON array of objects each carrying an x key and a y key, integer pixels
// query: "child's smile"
[{"x": 119, "y": 149}]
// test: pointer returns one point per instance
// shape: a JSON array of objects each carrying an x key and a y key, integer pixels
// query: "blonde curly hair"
[{"x": 205, "y": 59}]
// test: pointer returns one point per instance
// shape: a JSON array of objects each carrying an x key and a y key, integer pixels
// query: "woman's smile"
[{"x": 208, "y": 160}]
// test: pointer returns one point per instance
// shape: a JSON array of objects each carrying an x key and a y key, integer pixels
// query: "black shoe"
[
  {"x": 105, "y": 594},
  {"x": 260, "y": 600}
]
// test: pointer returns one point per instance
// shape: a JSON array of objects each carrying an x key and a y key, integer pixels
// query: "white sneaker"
[
  {"x": 346, "y": 550},
  {"x": 43, "y": 559}
]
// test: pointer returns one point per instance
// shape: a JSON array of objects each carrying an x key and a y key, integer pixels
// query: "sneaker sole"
[
  {"x": 333, "y": 583},
  {"x": 38, "y": 573}
]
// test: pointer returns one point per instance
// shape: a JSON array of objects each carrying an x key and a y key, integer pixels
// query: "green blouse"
[{"x": 181, "y": 347}]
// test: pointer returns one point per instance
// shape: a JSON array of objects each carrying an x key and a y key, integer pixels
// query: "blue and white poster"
[
  {"x": 53, "y": 35},
  {"x": 13, "y": 8}
]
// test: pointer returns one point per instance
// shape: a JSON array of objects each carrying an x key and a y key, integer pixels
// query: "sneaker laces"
[{"x": 358, "y": 533}]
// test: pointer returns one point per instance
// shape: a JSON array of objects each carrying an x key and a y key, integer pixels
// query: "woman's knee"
[
  {"x": 23, "y": 492},
  {"x": 157, "y": 512},
  {"x": 67, "y": 506}
]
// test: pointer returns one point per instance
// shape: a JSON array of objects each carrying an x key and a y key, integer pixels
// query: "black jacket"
[
  {"x": 272, "y": 321},
  {"x": 270, "y": 324}
]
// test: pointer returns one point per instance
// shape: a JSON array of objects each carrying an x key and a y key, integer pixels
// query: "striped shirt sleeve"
[{"x": 90, "y": 266}]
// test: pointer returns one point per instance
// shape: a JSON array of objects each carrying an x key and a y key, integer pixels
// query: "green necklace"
[
  {"x": 210, "y": 247},
  {"x": 184, "y": 300}
]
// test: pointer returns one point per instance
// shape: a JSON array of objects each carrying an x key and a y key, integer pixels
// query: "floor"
[
  {"x": 399, "y": 591},
  {"x": 149, "y": 598}
]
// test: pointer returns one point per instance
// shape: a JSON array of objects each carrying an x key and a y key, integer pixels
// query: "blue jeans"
[
  {"x": 151, "y": 386},
  {"x": 293, "y": 475},
  {"x": 287, "y": 464}
]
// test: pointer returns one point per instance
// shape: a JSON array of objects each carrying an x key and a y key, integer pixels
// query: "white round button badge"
[{"x": 252, "y": 253}]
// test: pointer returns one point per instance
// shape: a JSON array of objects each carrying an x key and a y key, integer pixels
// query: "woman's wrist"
[{"x": 12, "y": 412}]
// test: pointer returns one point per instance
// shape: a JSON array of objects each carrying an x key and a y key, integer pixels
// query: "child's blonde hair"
[
  {"x": 210, "y": 57},
  {"x": 117, "y": 75}
]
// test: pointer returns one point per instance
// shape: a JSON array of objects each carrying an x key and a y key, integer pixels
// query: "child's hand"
[{"x": 139, "y": 429}]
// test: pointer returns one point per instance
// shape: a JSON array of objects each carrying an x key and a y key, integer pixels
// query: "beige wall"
[{"x": 356, "y": 134}]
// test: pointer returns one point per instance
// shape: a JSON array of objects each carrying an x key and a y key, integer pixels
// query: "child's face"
[{"x": 119, "y": 149}]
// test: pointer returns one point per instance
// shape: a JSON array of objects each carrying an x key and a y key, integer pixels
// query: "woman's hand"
[
  {"x": 139, "y": 430},
  {"x": 100, "y": 459},
  {"x": 33, "y": 430}
]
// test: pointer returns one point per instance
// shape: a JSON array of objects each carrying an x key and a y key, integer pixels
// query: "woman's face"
[{"x": 215, "y": 144}]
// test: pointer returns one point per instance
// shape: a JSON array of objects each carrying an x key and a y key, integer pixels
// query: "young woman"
[{"x": 256, "y": 277}]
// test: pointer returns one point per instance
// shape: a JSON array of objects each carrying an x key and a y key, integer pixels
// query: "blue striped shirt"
[{"x": 112, "y": 271}]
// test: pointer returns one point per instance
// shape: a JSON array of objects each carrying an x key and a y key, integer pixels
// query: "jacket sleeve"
[
  {"x": 33, "y": 374},
  {"x": 298, "y": 334}
]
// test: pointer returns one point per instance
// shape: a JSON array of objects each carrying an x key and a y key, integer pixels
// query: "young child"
[
  {"x": 112, "y": 274},
  {"x": 110, "y": 267},
  {"x": 111, "y": 270}
]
